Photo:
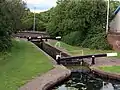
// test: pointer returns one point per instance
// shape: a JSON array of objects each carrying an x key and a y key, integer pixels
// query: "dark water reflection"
[{"x": 80, "y": 81}]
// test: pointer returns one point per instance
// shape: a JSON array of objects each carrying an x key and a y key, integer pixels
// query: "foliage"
[
  {"x": 97, "y": 42},
  {"x": 5, "y": 43},
  {"x": 41, "y": 20},
  {"x": 74, "y": 38},
  {"x": 79, "y": 22},
  {"x": 28, "y": 19},
  {"x": 113, "y": 6},
  {"x": 11, "y": 12}
]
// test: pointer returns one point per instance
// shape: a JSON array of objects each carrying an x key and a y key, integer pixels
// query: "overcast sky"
[{"x": 40, "y": 5}]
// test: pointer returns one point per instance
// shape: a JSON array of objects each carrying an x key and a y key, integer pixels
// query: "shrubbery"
[
  {"x": 5, "y": 43},
  {"x": 27, "y": 22},
  {"x": 99, "y": 41},
  {"x": 11, "y": 12},
  {"x": 80, "y": 22},
  {"x": 74, "y": 38},
  {"x": 96, "y": 42}
]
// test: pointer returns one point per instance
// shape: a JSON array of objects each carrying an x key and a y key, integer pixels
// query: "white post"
[
  {"x": 34, "y": 20},
  {"x": 57, "y": 44},
  {"x": 111, "y": 54},
  {"x": 107, "y": 25}
]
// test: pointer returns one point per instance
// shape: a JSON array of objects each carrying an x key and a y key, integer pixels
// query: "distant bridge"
[{"x": 26, "y": 34}]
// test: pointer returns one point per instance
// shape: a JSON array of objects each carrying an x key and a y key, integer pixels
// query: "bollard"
[
  {"x": 41, "y": 40},
  {"x": 46, "y": 40},
  {"x": 29, "y": 38},
  {"x": 81, "y": 63},
  {"x": 93, "y": 60},
  {"x": 41, "y": 45},
  {"x": 58, "y": 59}
]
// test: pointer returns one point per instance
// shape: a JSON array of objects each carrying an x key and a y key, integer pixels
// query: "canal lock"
[{"x": 81, "y": 77}]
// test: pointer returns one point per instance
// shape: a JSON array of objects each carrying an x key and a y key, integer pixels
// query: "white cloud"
[
  {"x": 35, "y": 2},
  {"x": 37, "y": 11},
  {"x": 41, "y": 5}
]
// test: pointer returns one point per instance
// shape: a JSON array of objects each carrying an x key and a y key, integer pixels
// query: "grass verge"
[
  {"x": 112, "y": 69},
  {"x": 24, "y": 62},
  {"x": 73, "y": 50},
  {"x": 79, "y": 50}
]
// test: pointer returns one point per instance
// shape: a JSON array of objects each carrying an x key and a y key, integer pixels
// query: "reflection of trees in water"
[
  {"x": 79, "y": 81},
  {"x": 84, "y": 82}
]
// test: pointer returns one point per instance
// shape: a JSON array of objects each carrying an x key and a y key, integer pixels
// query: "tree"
[
  {"x": 27, "y": 22},
  {"x": 11, "y": 12},
  {"x": 80, "y": 21},
  {"x": 113, "y": 6}
]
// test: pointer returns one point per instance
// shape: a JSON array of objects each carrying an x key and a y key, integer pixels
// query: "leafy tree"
[
  {"x": 11, "y": 12},
  {"x": 113, "y": 6},
  {"x": 82, "y": 21},
  {"x": 27, "y": 22}
]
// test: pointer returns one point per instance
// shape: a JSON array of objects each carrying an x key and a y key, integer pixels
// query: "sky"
[{"x": 40, "y": 5}]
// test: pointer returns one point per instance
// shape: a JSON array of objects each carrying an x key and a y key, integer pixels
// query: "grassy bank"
[
  {"x": 112, "y": 69},
  {"x": 21, "y": 64},
  {"x": 73, "y": 50}
]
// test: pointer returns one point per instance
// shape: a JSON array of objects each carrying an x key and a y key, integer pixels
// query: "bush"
[
  {"x": 74, "y": 38},
  {"x": 5, "y": 43},
  {"x": 80, "y": 22},
  {"x": 99, "y": 41},
  {"x": 11, "y": 12}
]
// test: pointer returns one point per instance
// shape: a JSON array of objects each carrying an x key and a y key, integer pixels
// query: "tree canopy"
[
  {"x": 11, "y": 12},
  {"x": 81, "y": 22},
  {"x": 28, "y": 19}
]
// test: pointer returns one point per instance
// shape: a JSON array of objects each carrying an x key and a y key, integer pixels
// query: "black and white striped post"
[
  {"x": 111, "y": 54},
  {"x": 29, "y": 38},
  {"x": 58, "y": 59},
  {"x": 89, "y": 56},
  {"x": 58, "y": 38},
  {"x": 93, "y": 60}
]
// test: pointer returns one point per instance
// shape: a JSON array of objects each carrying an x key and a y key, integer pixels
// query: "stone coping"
[
  {"x": 47, "y": 80},
  {"x": 104, "y": 62},
  {"x": 105, "y": 74},
  {"x": 59, "y": 48}
]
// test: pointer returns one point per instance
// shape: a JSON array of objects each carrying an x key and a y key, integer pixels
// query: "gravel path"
[{"x": 104, "y": 61}]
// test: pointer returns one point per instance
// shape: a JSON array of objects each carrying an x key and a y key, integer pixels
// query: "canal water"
[{"x": 87, "y": 81}]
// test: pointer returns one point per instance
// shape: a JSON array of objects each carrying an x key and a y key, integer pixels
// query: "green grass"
[
  {"x": 73, "y": 50},
  {"x": 78, "y": 50},
  {"x": 113, "y": 69},
  {"x": 21, "y": 64}
]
